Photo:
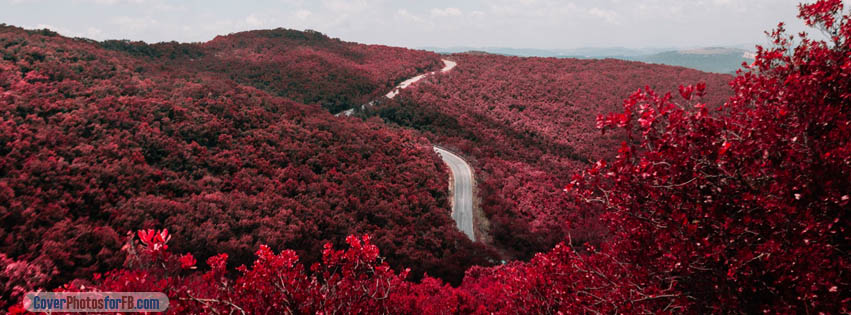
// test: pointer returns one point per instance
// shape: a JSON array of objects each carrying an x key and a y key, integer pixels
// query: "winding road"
[
  {"x": 447, "y": 65},
  {"x": 462, "y": 199},
  {"x": 462, "y": 173}
]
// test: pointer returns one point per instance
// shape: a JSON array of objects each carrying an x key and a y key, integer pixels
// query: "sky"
[{"x": 541, "y": 24}]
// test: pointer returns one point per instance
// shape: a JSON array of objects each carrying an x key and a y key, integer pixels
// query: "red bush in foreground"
[
  {"x": 357, "y": 280},
  {"x": 743, "y": 207},
  {"x": 353, "y": 281}
]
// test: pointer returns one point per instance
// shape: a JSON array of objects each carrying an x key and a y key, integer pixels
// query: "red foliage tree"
[{"x": 742, "y": 207}]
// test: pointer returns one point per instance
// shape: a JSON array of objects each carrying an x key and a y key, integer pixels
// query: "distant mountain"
[
  {"x": 711, "y": 59},
  {"x": 715, "y": 59},
  {"x": 586, "y": 52}
]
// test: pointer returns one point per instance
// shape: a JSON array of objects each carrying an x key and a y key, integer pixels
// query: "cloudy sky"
[{"x": 546, "y": 24}]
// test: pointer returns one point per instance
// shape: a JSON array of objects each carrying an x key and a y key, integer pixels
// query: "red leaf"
[{"x": 724, "y": 147}]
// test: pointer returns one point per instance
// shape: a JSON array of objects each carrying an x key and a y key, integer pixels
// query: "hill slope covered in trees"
[
  {"x": 96, "y": 143},
  {"x": 307, "y": 67}
]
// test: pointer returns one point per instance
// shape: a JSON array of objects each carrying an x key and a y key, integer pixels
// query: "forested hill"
[
  {"x": 307, "y": 67},
  {"x": 97, "y": 143}
]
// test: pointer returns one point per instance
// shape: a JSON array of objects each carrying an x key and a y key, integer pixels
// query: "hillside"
[
  {"x": 307, "y": 67},
  {"x": 529, "y": 124},
  {"x": 96, "y": 144}
]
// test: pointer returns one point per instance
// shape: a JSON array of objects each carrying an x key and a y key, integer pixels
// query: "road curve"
[
  {"x": 462, "y": 201},
  {"x": 447, "y": 65},
  {"x": 462, "y": 173}
]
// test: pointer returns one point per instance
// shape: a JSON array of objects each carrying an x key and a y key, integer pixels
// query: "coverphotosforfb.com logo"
[{"x": 95, "y": 302}]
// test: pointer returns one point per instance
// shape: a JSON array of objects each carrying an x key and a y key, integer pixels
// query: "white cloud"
[
  {"x": 350, "y": 6},
  {"x": 738, "y": 6},
  {"x": 253, "y": 21},
  {"x": 303, "y": 14},
  {"x": 60, "y": 30},
  {"x": 607, "y": 15},
  {"x": 533, "y": 9},
  {"x": 90, "y": 32},
  {"x": 111, "y": 2},
  {"x": 133, "y": 24},
  {"x": 404, "y": 15},
  {"x": 445, "y": 12},
  {"x": 168, "y": 7},
  {"x": 93, "y": 33}
]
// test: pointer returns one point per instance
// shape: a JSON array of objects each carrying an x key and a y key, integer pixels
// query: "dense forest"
[
  {"x": 97, "y": 143},
  {"x": 307, "y": 67},
  {"x": 529, "y": 124},
  {"x": 619, "y": 187}
]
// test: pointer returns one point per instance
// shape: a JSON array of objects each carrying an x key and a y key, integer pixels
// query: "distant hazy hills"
[
  {"x": 720, "y": 60},
  {"x": 712, "y": 59}
]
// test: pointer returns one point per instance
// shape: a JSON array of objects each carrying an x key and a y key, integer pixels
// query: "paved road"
[
  {"x": 462, "y": 201},
  {"x": 462, "y": 173},
  {"x": 447, "y": 65}
]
